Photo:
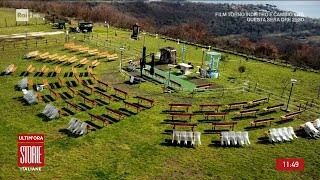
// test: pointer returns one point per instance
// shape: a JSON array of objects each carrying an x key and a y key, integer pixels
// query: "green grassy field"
[{"x": 135, "y": 147}]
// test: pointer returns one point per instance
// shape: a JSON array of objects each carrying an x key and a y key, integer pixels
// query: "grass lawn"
[{"x": 135, "y": 147}]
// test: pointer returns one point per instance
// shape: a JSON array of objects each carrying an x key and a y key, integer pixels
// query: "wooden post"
[
  {"x": 46, "y": 42},
  {"x": 5, "y": 20},
  {"x": 269, "y": 96}
]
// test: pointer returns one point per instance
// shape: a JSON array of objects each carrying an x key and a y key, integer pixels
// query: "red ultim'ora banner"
[{"x": 30, "y": 150}]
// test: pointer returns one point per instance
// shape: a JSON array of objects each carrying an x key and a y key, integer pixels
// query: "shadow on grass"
[
  {"x": 66, "y": 94},
  {"x": 168, "y": 121},
  {"x": 84, "y": 93},
  {"x": 172, "y": 111},
  {"x": 101, "y": 103},
  {"x": 243, "y": 117},
  {"x": 68, "y": 111},
  {"x": 93, "y": 125},
  {"x": 36, "y": 74},
  {"x": 204, "y": 121},
  {"x": 266, "y": 113},
  {"x": 100, "y": 89},
  {"x": 72, "y": 83},
  {"x": 127, "y": 112},
  {"x": 68, "y": 133},
  {"x": 201, "y": 112},
  {"x": 217, "y": 144},
  {"x": 117, "y": 98},
  {"x": 85, "y": 107},
  {"x": 168, "y": 142},
  {"x": 44, "y": 117},
  {"x": 212, "y": 131},
  {"x": 111, "y": 119},
  {"x": 255, "y": 127},
  {"x": 50, "y": 98}
]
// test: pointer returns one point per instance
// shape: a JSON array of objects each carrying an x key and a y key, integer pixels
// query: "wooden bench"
[
  {"x": 181, "y": 115},
  {"x": 79, "y": 79},
  {"x": 248, "y": 112},
  {"x": 95, "y": 117},
  {"x": 223, "y": 124},
  {"x": 210, "y": 106},
  {"x": 45, "y": 83},
  {"x": 58, "y": 70},
  {"x": 44, "y": 69},
  {"x": 261, "y": 121},
  {"x": 114, "y": 112},
  {"x": 62, "y": 82},
  {"x": 140, "y": 99},
  {"x": 92, "y": 102},
  {"x": 92, "y": 89},
  {"x": 30, "y": 69},
  {"x": 239, "y": 104},
  {"x": 215, "y": 114},
  {"x": 121, "y": 91},
  {"x": 74, "y": 92},
  {"x": 188, "y": 125},
  {"x": 56, "y": 94},
  {"x": 187, "y": 106},
  {"x": 258, "y": 101},
  {"x": 137, "y": 107},
  {"x": 147, "y": 70},
  {"x": 204, "y": 86},
  {"x": 273, "y": 108},
  {"x": 39, "y": 97},
  {"x": 76, "y": 107},
  {"x": 102, "y": 83},
  {"x": 30, "y": 83},
  {"x": 290, "y": 116},
  {"x": 104, "y": 95}
]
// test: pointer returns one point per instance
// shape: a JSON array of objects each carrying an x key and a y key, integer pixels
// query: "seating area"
[
  {"x": 186, "y": 138},
  {"x": 30, "y": 96},
  {"x": 10, "y": 69},
  {"x": 234, "y": 138},
  {"x": 51, "y": 111},
  {"x": 90, "y": 52},
  {"x": 283, "y": 134},
  {"x": 77, "y": 127},
  {"x": 312, "y": 128}
]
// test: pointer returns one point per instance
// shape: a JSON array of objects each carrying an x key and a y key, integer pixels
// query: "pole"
[
  {"x": 121, "y": 59},
  {"x": 169, "y": 76},
  {"x": 202, "y": 58},
  {"x": 289, "y": 96}
]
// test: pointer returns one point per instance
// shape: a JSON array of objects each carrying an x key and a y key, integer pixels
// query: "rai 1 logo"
[{"x": 30, "y": 152}]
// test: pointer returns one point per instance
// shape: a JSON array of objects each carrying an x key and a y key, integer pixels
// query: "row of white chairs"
[
  {"x": 29, "y": 96},
  {"x": 281, "y": 134},
  {"x": 77, "y": 127},
  {"x": 51, "y": 112},
  {"x": 312, "y": 129},
  {"x": 185, "y": 136},
  {"x": 234, "y": 138}
]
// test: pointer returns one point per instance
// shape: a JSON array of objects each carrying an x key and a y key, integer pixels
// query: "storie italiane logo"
[{"x": 30, "y": 152}]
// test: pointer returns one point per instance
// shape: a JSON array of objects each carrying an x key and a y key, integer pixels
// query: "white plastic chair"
[
  {"x": 24, "y": 91},
  {"x": 281, "y": 135},
  {"x": 183, "y": 136},
  {"x": 197, "y": 137},
  {"x": 83, "y": 129},
  {"x": 176, "y": 136},
  {"x": 274, "y": 136},
  {"x": 77, "y": 128},
  {"x": 78, "y": 123},
  {"x": 311, "y": 130},
  {"x": 245, "y": 135},
  {"x": 189, "y": 137},
  {"x": 225, "y": 138},
  {"x": 291, "y": 131},
  {"x": 232, "y": 136},
  {"x": 316, "y": 124},
  {"x": 239, "y": 138},
  {"x": 287, "y": 133}
]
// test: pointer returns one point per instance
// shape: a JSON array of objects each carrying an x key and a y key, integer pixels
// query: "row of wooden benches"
[
  {"x": 224, "y": 114},
  {"x": 232, "y": 124},
  {"x": 91, "y": 52}
]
